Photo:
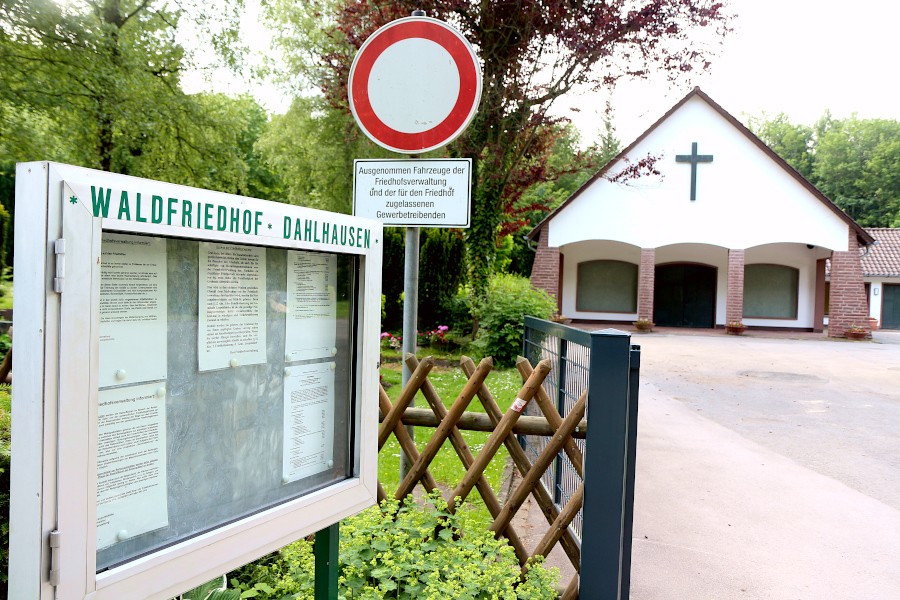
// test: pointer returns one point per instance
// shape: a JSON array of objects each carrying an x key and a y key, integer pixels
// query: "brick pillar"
[
  {"x": 545, "y": 272},
  {"x": 847, "y": 301},
  {"x": 646, "y": 283},
  {"x": 734, "y": 302}
]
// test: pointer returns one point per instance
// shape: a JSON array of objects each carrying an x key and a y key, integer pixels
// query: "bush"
[
  {"x": 501, "y": 316},
  {"x": 459, "y": 310},
  {"x": 404, "y": 551}
]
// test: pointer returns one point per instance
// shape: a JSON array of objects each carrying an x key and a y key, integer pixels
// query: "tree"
[
  {"x": 312, "y": 148},
  {"x": 855, "y": 162},
  {"x": 793, "y": 143},
  {"x": 532, "y": 53},
  {"x": 108, "y": 72}
]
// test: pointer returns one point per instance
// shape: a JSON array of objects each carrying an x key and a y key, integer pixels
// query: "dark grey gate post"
[{"x": 603, "y": 543}]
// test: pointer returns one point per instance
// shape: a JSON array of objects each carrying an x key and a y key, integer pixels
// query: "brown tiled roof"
[{"x": 883, "y": 258}]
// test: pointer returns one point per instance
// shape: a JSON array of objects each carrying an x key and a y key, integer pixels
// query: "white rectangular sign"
[
  {"x": 308, "y": 420},
  {"x": 232, "y": 322},
  {"x": 415, "y": 192},
  {"x": 131, "y": 462},
  {"x": 133, "y": 309},
  {"x": 311, "y": 307}
]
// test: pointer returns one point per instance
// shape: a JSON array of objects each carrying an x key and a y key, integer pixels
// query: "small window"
[
  {"x": 607, "y": 286},
  {"x": 770, "y": 291}
]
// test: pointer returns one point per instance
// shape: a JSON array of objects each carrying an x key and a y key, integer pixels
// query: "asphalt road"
[{"x": 767, "y": 468}]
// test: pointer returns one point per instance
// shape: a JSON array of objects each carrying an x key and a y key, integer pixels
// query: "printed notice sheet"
[
  {"x": 232, "y": 328},
  {"x": 308, "y": 420},
  {"x": 311, "y": 305},
  {"x": 133, "y": 309},
  {"x": 131, "y": 462}
]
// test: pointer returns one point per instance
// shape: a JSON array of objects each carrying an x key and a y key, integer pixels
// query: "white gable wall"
[{"x": 744, "y": 199}]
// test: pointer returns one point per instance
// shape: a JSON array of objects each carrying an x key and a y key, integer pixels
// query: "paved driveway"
[{"x": 767, "y": 468}]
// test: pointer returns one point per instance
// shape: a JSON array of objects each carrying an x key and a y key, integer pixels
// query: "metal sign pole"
[
  {"x": 326, "y": 551},
  {"x": 410, "y": 319}
]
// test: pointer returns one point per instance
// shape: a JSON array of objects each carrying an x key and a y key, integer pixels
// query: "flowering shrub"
[
  {"x": 389, "y": 340},
  {"x": 434, "y": 337}
]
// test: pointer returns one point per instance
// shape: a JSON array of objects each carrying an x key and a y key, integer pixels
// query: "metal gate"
[{"x": 607, "y": 365}]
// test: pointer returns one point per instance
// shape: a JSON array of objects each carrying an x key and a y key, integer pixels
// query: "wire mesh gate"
[
  {"x": 552, "y": 473},
  {"x": 606, "y": 365}
]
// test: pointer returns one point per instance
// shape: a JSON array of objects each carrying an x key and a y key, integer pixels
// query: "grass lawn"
[
  {"x": 6, "y": 290},
  {"x": 447, "y": 468}
]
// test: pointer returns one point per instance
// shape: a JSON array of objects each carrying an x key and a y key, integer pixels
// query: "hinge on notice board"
[
  {"x": 59, "y": 248},
  {"x": 54, "y": 557}
]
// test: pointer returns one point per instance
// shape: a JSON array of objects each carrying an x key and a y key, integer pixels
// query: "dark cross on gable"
[{"x": 694, "y": 158}]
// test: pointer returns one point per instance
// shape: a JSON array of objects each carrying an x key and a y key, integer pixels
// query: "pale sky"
[{"x": 799, "y": 57}]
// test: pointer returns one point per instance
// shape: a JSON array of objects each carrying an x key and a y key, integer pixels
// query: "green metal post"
[{"x": 326, "y": 553}]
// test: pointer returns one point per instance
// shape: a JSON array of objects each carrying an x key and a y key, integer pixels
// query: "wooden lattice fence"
[{"x": 504, "y": 428}]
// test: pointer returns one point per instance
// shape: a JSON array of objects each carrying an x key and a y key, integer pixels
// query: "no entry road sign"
[{"x": 414, "y": 85}]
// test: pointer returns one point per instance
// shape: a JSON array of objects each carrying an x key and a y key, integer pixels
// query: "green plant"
[
  {"x": 501, "y": 316},
  {"x": 5, "y": 455},
  {"x": 212, "y": 590},
  {"x": 405, "y": 551},
  {"x": 460, "y": 308}
]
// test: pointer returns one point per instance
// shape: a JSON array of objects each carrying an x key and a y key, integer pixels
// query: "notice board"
[{"x": 217, "y": 373}]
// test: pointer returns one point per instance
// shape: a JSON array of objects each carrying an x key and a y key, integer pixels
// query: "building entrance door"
[{"x": 684, "y": 295}]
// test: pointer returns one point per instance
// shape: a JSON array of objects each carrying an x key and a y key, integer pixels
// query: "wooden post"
[
  {"x": 523, "y": 464},
  {"x": 465, "y": 455},
  {"x": 504, "y": 427},
  {"x": 548, "y": 455},
  {"x": 434, "y": 444}
]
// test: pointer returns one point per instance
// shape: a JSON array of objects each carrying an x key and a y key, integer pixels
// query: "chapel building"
[{"x": 728, "y": 232}]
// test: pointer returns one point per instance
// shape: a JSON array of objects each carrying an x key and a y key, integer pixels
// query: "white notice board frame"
[{"x": 55, "y": 398}]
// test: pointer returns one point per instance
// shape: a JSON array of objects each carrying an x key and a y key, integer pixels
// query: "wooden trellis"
[{"x": 504, "y": 430}]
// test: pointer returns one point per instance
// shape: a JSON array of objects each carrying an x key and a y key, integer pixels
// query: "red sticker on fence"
[{"x": 519, "y": 405}]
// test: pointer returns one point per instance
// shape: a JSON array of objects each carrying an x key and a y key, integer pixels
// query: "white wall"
[
  {"x": 875, "y": 292},
  {"x": 744, "y": 199}
]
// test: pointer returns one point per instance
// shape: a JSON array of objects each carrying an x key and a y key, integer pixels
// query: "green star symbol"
[
  {"x": 73, "y": 200},
  {"x": 270, "y": 226}
]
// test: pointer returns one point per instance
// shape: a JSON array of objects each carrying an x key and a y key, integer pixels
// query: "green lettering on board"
[
  {"x": 137, "y": 209},
  {"x": 156, "y": 209},
  {"x": 100, "y": 202},
  {"x": 207, "y": 216},
  {"x": 186, "y": 213},
  {"x": 124, "y": 207}
]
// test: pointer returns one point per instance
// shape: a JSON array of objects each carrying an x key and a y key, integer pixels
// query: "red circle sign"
[{"x": 414, "y": 85}]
